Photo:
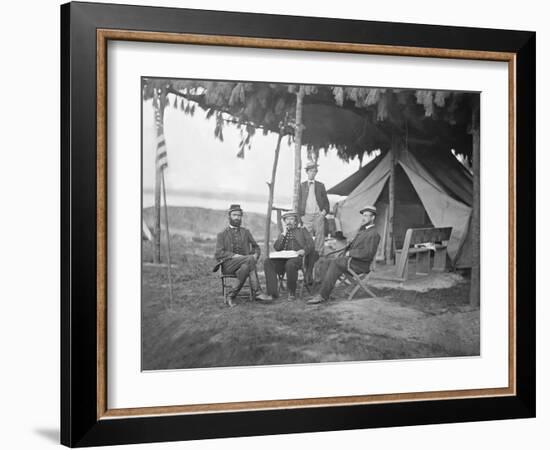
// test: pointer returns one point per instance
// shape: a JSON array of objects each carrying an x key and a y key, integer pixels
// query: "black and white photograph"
[
  {"x": 288, "y": 223},
  {"x": 247, "y": 225},
  {"x": 275, "y": 225}
]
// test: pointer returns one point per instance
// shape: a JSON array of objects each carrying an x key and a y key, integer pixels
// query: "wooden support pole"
[
  {"x": 157, "y": 105},
  {"x": 298, "y": 147},
  {"x": 391, "y": 204},
  {"x": 271, "y": 187},
  {"x": 156, "y": 216},
  {"x": 475, "y": 225},
  {"x": 279, "y": 221},
  {"x": 167, "y": 241}
]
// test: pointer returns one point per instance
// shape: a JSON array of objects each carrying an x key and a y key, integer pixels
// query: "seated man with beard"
[
  {"x": 237, "y": 253},
  {"x": 296, "y": 239}
]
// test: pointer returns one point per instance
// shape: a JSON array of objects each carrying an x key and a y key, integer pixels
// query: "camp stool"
[
  {"x": 227, "y": 285},
  {"x": 358, "y": 280}
]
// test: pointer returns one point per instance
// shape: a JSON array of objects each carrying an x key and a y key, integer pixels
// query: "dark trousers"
[
  {"x": 242, "y": 266},
  {"x": 274, "y": 267},
  {"x": 310, "y": 261},
  {"x": 337, "y": 267}
]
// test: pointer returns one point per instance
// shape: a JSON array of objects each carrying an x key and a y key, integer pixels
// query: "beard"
[
  {"x": 367, "y": 222},
  {"x": 235, "y": 222}
]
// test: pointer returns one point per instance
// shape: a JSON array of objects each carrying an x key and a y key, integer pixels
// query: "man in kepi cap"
[
  {"x": 237, "y": 253},
  {"x": 313, "y": 205},
  {"x": 358, "y": 255},
  {"x": 293, "y": 238}
]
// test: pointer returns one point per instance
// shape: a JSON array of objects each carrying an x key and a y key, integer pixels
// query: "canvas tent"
[{"x": 432, "y": 188}]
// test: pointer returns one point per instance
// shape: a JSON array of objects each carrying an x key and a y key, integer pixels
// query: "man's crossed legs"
[{"x": 243, "y": 266}]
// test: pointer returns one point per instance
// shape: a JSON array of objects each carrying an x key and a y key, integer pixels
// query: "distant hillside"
[{"x": 192, "y": 221}]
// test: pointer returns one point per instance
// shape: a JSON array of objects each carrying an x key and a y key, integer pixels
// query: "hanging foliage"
[
  {"x": 312, "y": 153},
  {"x": 382, "y": 109},
  {"x": 373, "y": 96},
  {"x": 246, "y": 140},
  {"x": 210, "y": 112},
  {"x": 440, "y": 97},
  {"x": 237, "y": 95},
  {"x": 426, "y": 98},
  {"x": 338, "y": 93},
  {"x": 349, "y": 120},
  {"x": 218, "y": 129}
]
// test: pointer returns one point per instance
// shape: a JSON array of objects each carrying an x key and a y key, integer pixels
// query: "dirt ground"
[{"x": 199, "y": 331}]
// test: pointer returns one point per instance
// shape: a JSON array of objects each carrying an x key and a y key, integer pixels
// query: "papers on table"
[{"x": 283, "y": 254}]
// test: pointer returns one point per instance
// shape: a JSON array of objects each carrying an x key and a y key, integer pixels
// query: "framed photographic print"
[{"x": 276, "y": 224}]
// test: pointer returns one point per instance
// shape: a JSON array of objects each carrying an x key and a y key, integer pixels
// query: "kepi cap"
[
  {"x": 290, "y": 213},
  {"x": 234, "y": 207}
]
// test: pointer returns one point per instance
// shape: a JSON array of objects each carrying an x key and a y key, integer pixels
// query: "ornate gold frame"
[{"x": 103, "y": 36}]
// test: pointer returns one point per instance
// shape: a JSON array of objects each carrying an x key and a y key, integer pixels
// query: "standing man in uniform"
[
  {"x": 358, "y": 255},
  {"x": 293, "y": 238},
  {"x": 237, "y": 253}
]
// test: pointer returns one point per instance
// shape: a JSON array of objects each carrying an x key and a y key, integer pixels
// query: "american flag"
[{"x": 161, "y": 156}]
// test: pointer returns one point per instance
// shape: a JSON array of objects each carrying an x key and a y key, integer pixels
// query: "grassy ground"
[{"x": 200, "y": 331}]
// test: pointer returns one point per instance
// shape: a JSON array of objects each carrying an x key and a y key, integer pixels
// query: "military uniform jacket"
[
  {"x": 302, "y": 237},
  {"x": 224, "y": 245},
  {"x": 364, "y": 246}
]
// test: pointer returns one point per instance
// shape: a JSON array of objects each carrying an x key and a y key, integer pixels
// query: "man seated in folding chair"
[
  {"x": 237, "y": 253},
  {"x": 356, "y": 259},
  {"x": 294, "y": 239}
]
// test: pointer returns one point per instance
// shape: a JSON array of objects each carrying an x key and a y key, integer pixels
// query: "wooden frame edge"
[
  {"x": 289, "y": 44},
  {"x": 103, "y": 35},
  {"x": 303, "y": 403},
  {"x": 512, "y": 201},
  {"x": 101, "y": 225}
]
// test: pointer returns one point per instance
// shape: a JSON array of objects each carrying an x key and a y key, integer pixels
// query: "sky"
[{"x": 202, "y": 171}]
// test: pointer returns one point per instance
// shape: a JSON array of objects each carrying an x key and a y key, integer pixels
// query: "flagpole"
[
  {"x": 158, "y": 168},
  {"x": 167, "y": 239}
]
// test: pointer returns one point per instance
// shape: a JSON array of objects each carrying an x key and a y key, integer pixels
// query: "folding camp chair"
[{"x": 358, "y": 280}]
